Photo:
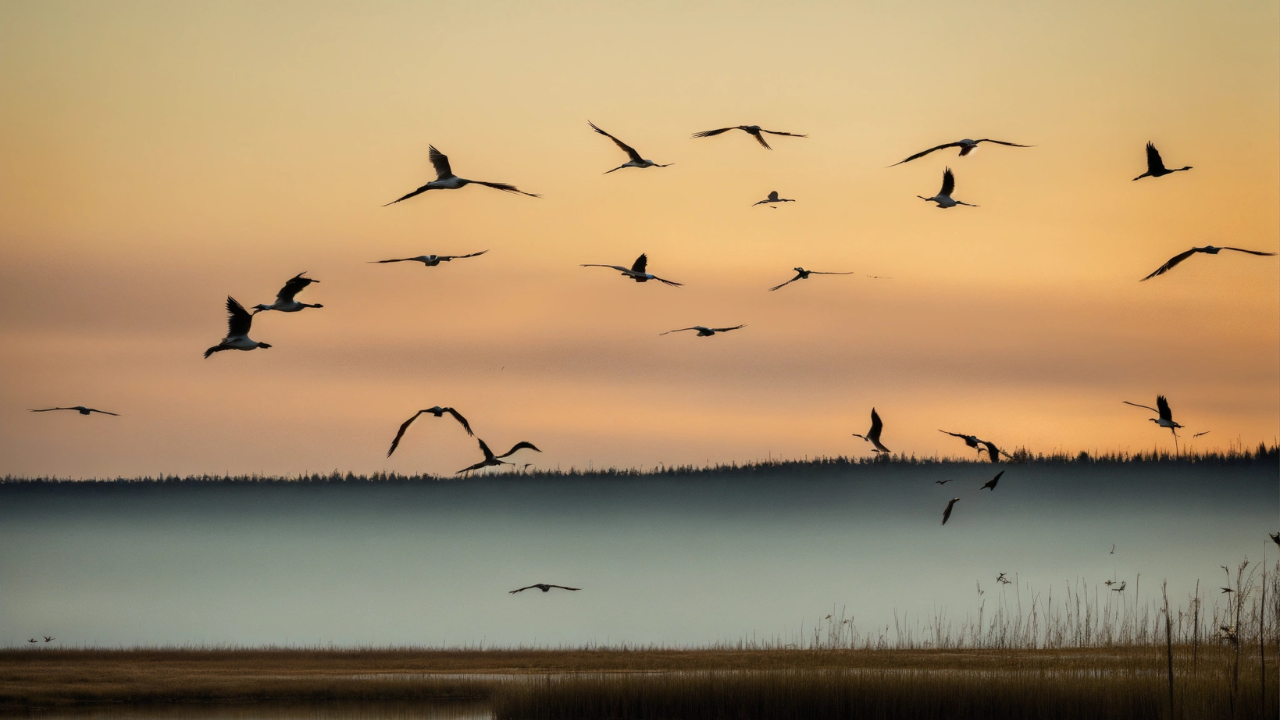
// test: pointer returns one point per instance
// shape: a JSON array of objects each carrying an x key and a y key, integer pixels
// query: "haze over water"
[{"x": 680, "y": 560}]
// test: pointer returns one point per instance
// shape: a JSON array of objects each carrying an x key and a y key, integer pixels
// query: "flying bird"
[
  {"x": 438, "y": 412},
  {"x": 802, "y": 274},
  {"x": 80, "y": 409},
  {"x": 284, "y": 299},
  {"x": 636, "y": 161},
  {"x": 773, "y": 198},
  {"x": 637, "y": 271},
  {"x": 873, "y": 435},
  {"x": 1109, "y": 583},
  {"x": 33, "y": 640},
  {"x": 1226, "y": 590},
  {"x": 1166, "y": 415},
  {"x": 429, "y": 260},
  {"x": 1119, "y": 588},
  {"x": 993, "y": 452},
  {"x": 238, "y": 322},
  {"x": 944, "y": 482},
  {"x": 943, "y": 198},
  {"x": 49, "y": 639},
  {"x": 705, "y": 331},
  {"x": 752, "y": 130},
  {"x": 1206, "y": 432},
  {"x": 544, "y": 587},
  {"x": 1155, "y": 166},
  {"x": 966, "y": 146},
  {"x": 494, "y": 460},
  {"x": 1113, "y": 548},
  {"x": 446, "y": 180},
  {"x": 970, "y": 440},
  {"x": 946, "y": 514},
  {"x": 1003, "y": 580},
  {"x": 1207, "y": 249},
  {"x": 991, "y": 484}
]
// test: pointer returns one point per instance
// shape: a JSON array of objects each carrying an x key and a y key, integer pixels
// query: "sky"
[{"x": 155, "y": 158}]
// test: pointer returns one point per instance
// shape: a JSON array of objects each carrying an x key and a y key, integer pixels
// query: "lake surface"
[{"x": 670, "y": 560}]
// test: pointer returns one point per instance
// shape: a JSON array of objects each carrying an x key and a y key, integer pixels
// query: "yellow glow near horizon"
[{"x": 155, "y": 158}]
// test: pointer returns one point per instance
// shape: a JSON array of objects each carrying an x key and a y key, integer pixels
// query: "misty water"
[{"x": 667, "y": 560}]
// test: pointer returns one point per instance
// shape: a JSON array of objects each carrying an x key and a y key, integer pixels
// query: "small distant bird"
[
  {"x": 1113, "y": 548},
  {"x": 47, "y": 638},
  {"x": 544, "y": 587},
  {"x": 1227, "y": 590},
  {"x": 284, "y": 299},
  {"x": 1109, "y": 583},
  {"x": 1166, "y": 415},
  {"x": 1206, "y": 432},
  {"x": 773, "y": 198},
  {"x": 1119, "y": 588},
  {"x": 1276, "y": 537},
  {"x": 991, "y": 484},
  {"x": 429, "y": 260},
  {"x": 637, "y": 271},
  {"x": 238, "y": 323},
  {"x": 979, "y": 587},
  {"x": 33, "y": 640},
  {"x": 946, "y": 514},
  {"x": 966, "y": 146},
  {"x": 493, "y": 460},
  {"x": 943, "y": 198},
  {"x": 80, "y": 409},
  {"x": 438, "y": 412},
  {"x": 1001, "y": 578},
  {"x": 944, "y": 482},
  {"x": 636, "y": 161},
  {"x": 1155, "y": 166},
  {"x": 873, "y": 436},
  {"x": 752, "y": 130},
  {"x": 1207, "y": 249},
  {"x": 705, "y": 331},
  {"x": 446, "y": 180},
  {"x": 802, "y": 274}
]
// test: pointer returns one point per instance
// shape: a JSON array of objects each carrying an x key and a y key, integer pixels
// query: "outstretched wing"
[
  {"x": 775, "y": 287},
  {"x": 419, "y": 191},
  {"x": 460, "y": 257},
  {"x": 1173, "y": 262},
  {"x": 1163, "y": 405},
  {"x": 484, "y": 448},
  {"x": 727, "y": 329},
  {"x": 52, "y": 409},
  {"x": 876, "y": 425},
  {"x": 926, "y": 152},
  {"x": 1145, "y": 407},
  {"x": 293, "y": 287},
  {"x": 238, "y": 321},
  {"x": 391, "y": 260},
  {"x": 759, "y": 136},
  {"x": 456, "y": 416},
  {"x": 672, "y": 283},
  {"x": 562, "y": 587},
  {"x": 1251, "y": 252},
  {"x": 103, "y": 412},
  {"x": 522, "y": 445},
  {"x": 1154, "y": 163},
  {"x": 619, "y": 268},
  {"x": 530, "y": 587},
  {"x": 1001, "y": 142},
  {"x": 504, "y": 187},
  {"x": 680, "y": 330},
  {"x": 440, "y": 162},
  {"x": 993, "y": 452},
  {"x": 640, "y": 264},
  {"x": 948, "y": 182},
  {"x": 630, "y": 151},
  {"x": 818, "y": 272},
  {"x": 709, "y": 133},
  {"x": 779, "y": 132},
  {"x": 400, "y": 433}
]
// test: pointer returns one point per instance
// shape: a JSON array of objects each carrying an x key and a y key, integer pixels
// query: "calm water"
[{"x": 674, "y": 561}]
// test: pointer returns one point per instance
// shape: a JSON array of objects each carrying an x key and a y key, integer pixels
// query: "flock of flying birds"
[{"x": 240, "y": 321}]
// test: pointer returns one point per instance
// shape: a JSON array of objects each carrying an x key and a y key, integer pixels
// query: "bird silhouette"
[
  {"x": 1155, "y": 166},
  {"x": 438, "y": 412},
  {"x": 284, "y": 299},
  {"x": 1165, "y": 419},
  {"x": 991, "y": 484},
  {"x": 1227, "y": 590},
  {"x": 48, "y": 638},
  {"x": 1207, "y": 250},
  {"x": 943, "y": 198},
  {"x": 544, "y": 587},
  {"x": 752, "y": 130},
  {"x": 946, "y": 514},
  {"x": 873, "y": 435},
  {"x": 944, "y": 482},
  {"x": 32, "y": 640},
  {"x": 238, "y": 324},
  {"x": 705, "y": 331},
  {"x": 772, "y": 198},
  {"x": 446, "y": 180},
  {"x": 494, "y": 460},
  {"x": 802, "y": 274},
  {"x": 80, "y": 409},
  {"x": 637, "y": 271},
  {"x": 966, "y": 146},
  {"x": 636, "y": 161},
  {"x": 429, "y": 260},
  {"x": 1119, "y": 588}
]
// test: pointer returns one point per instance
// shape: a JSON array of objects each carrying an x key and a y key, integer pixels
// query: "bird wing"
[
  {"x": 779, "y": 132},
  {"x": 1145, "y": 407},
  {"x": 619, "y": 268},
  {"x": 630, "y": 151},
  {"x": 1163, "y": 405},
  {"x": 400, "y": 433},
  {"x": 992, "y": 451},
  {"x": 1173, "y": 261},
  {"x": 293, "y": 287},
  {"x": 484, "y": 448},
  {"x": 760, "y": 139},
  {"x": 995, "y": 480},
  {"x": 440, "y": 162},
  {"x": 1154, "y": 163},
  {"x": 419, "y": 191},
  {"x": 392, "y": 260},
  {"x": 456, "y": 416},
  {"x": 522, "y": 445},
  {"x": 52, "y": 409},
  {"x": 876, "y": 425},
  {"x": 819, "y": 272},
  {"x": 709, "y": 133},
  {"x": 238, "y": 321},
  {"x": 477, "y": 466},
  {"x": 727, "y": 329},
  {"x": 762, "y": 202},
  {"x": 948, "y": 182},
  {"x": 946, "y": 514},
  {"x": 926, "y": 152},
  {"x": 530, "y": 587},
  {"x": 672, "y": 283},
  {"x": 459, "y": 257},
  {"x": 504, "y": 187},
  {"x": 640, "y": 264},
  {"x": 1251, "y": 252},
  {"x": 103, "y": 412},
  {"x": 775, "y": 287},
  {"x": 680, "y": 330},
  {"x": 1001, "y": 142},
  {"x": 562, "y": 587}
]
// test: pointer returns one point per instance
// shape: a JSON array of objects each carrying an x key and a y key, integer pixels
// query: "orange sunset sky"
[{"x": 156, "y": 157}]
